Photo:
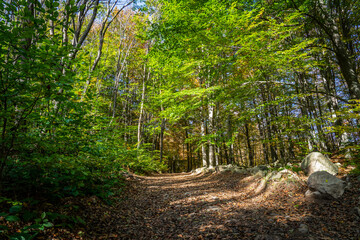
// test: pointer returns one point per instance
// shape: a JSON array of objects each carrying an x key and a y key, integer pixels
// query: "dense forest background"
[
  {"x": 91, "y": 88},
  {"x": 109, "y": 85}
]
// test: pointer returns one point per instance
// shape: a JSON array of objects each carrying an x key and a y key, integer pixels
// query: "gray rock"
[
  {"x": 229, "y": 168},
  {"x": 260, "y": 168},
  {"x": 326, "y": 184},
  {"x": 276, "y": 176},
  {"x": 239, "y": 170},
  {"x": 316, "y": 161},
  {"x": 203, "y": 170},
  {"x": 290, "y": 174},
  {"x": 303, "y": 229},
  {"x": 199, "y": 170},
  {"x": 222, "y": 168},
  {"x": 313, "y": 194},
  {"x": 260, "y": 174}
]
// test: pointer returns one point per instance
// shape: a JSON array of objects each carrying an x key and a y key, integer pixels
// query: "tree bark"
[
  {"x": 162, "y": 129},
  {"x": 248, "y": 141},
  {"x": 212, "y": 162},
  {"x": 139, "y": 132},
  {"x": 203, "y": 145}
]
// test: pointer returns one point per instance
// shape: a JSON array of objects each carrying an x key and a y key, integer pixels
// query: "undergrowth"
[{"x": 34, "y": 181}]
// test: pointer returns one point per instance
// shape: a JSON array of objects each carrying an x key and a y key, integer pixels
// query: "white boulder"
[{"x": 316, "y": 161}]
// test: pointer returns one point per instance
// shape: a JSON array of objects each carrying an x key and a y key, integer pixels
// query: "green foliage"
[
  {"x": 51, "y": 139},
  {"x": 54, "y": 142},
  {"x": 94, "y": 170},
  {"x": 294, "y": 168},
  {"x": 145, "y": 163},
  {"x": 247, "y": 77},
  {"x": 17, "y": 213},
  {"x": 356, "y": 171}
]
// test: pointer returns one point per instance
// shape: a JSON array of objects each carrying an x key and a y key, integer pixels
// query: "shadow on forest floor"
[{"x": 222, "y": 206}]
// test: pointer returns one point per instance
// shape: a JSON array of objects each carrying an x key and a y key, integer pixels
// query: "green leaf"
[
  {"x": 23, "y": 236},
  {"x": 15, "y": 209},
  {"x": 48, "y": 224},
  {"x": 12, "y": 218},
  {"x": 3, "y": 214}
]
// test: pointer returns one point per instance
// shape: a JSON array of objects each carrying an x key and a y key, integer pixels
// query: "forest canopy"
[{"x": 92, "y": 88}]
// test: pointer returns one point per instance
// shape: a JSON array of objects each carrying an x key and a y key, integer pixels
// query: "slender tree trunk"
[
  {"x": 226, "y": 154},
  {"x": 229, "y": 137},
  {"x": 162, "y": 128},
  {"x": 139, "y": 132},
  {"x": 262, "y": 138},
  {"x": 248, "y": 141},
  {"x": 239, "y": 149},
  {"x": 212, "y": 162},
  {"x": 189, "y": 167},
  {"x": 328, "y": 78},
  {"x": 199, "y": 159},
  {"x": 193, "y": 159},
  {"x": 203, "y": 145}
]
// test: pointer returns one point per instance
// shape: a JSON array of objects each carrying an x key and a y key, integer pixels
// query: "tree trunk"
[
  {"x": 139, "y": 132},
  {"x": 212, "y": 162},
  {"x": 163, "y": 122},
  {"x": 203, "y": 145},
  {"x": 189, "y": 164},
  {"x": 248, "y": 141},
  {"x": 229, "y": 137}
]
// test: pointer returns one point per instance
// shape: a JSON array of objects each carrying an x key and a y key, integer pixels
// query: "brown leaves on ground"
[
  {"x": 213, "y": 206},
  {"x": 222, "y": 206}
]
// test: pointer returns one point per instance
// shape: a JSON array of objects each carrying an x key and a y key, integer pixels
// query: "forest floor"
[
  {"x": 206, "y": 206},
  {"x": 209, "y": 206},
  {"x": 223, "y": 206}
]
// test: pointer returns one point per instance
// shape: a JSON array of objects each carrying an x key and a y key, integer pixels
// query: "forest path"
[{"x": 223, "y": 206}]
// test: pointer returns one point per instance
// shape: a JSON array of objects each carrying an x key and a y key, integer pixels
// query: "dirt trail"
[{"x": 224, "y": 206}]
